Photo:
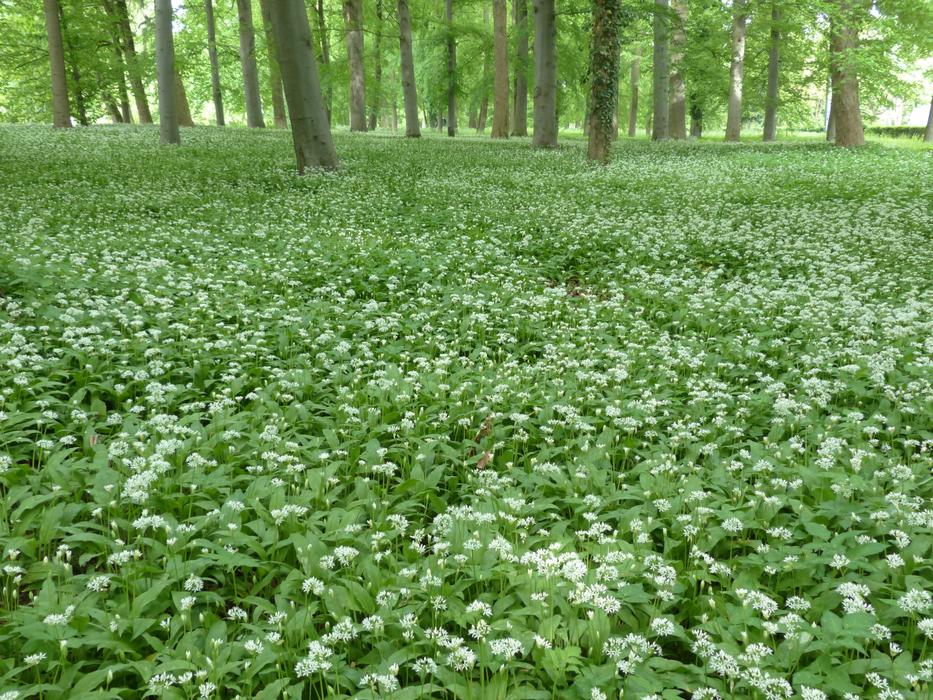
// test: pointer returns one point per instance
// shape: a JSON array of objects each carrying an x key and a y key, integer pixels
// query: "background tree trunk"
[
  {"x": 353, "y": 19},
  {"x": 928, "y": 134},
  {"x": 846, "y": 110},
  {"x": 215, "y": 68},
  {"x": 132, "y": 64},
  {"x": 409, "y": 90},
  {"x": 61, "y": 112},
  {"x": 500, "y": 92},
  {"x": 604, "y": 78},
  {"x": 451, "y": 70},
  {"x": 736, "y": 71},
  {"x": 831, "y": 124},
  {"x": 677, "y": 112},
  {"x": 774, "y": 57},
  {"x": 275, "y": 74},
  {"x": 310, "y": 128},
  {"x": 251, "y": 95},
  {"x": 520, "y": 100},
  {"x": 633, "y": 89},
  {"x": 545, "y": 95},
  {"x": 181, "y": 101},
  {"x": 325, "y": 60},
  {"x": 80, "y": 104},
  {"x": 126, "y": 115},
  {"x": 484, "y": 100},
  {"x": 696, "y": 120},
  {"x": 661, "y": 77},
  {"x": 376, "y": 96},
  {"x": 165, "y": 71}
]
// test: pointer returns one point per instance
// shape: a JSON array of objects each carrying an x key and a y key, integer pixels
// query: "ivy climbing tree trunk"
[
  {"x": 314, "y": 146},
  {"x": 520, "y": 100},
  {"x": 132, "y": 65},
  {"x": 736, "y": 70},
  {"x": 61, "y": 112},
  {"x": 251, "y": 94},
  {"x": 677, "y": 112},
  {"x": 500, "y": 91},
  {"x": 165, "y": 72},
  {"x": 661, "y": 70},
  {"x": 451, "y": 70},
  {"x": 846, "y": 110},
  {"x": 275, "y": 74},
  {"x": 409, "y": 90},
  {"x": 545, "y": 95},
  {"x": 353, "y": 20},
  {"x": 634, "y": 77},
  {"x": 215, "y": 67},
  {"x": 774, "y": 57},
  {"x": 604, "y": 78}
]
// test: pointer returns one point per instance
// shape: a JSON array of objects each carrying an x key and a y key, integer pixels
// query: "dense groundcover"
[{"x": 463, "y": 420}]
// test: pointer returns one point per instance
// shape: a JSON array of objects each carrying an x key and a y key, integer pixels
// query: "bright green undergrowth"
[{"x": 463, "y": 420}]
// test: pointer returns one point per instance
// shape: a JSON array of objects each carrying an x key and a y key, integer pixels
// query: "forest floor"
[{"x": 464, "y": 418}]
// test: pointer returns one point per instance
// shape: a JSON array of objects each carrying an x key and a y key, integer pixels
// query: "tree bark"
[
  {"x": 696, "y": 120},
  {"x": 661, "y": 70},
  {"x": 251, "y": 94},
  {"x": 928, "y": 134},
  {"x": 736, "y": 71},
  {"x": 545, "y": 94},
  {"x": 279, "y": 117},
  {"x": 774, "y": 57},
  {"x": 500, "y": 91},
  {"x": 484, "y": 100},
  {"x": 61, "y": 112},
  {"x": 126, "y": 115},
  {"x": 325, "y": 60},
  {"x": 846, "y": 110},
  {"x": 132, "y": 64},
  {"x": 112, "y": 107},
  {"x": 520, "y": 100},
  {"x": 409, "y": 90},
  {"x": 633, "y": 89},
  {"x": 165, "y": 70},
  {"x": 604, "y": 78},
  {"x": 451, "y": 70},
  {"x": 181, "y": 100},
  {"x": 353, "y": 19},
  {"x": 677, "y": 111},
  {"x": 215, "y": 68},
  {"x": 80, "y": 104},
  {"x": 310, "y": 128},
  {"x": 376, "y": 94}
]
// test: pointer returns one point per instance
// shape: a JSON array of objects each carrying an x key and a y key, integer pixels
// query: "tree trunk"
[
  {"x": 215, "y": 68},
  {"x": 520, "y": 100},
  {"x": 484, "y": 100},
  {"x": 111, "y": 106},
  {"x": 181, "y": 101},
  {"x": 831, "y": 124},
  {"x": 633, "y": 88},
  {"x": 376, "y": 94},
  {"x": 165, "y": 71},
  {"x": 310, "y": 129},
  {"x": 353, "y": 19},
  {"x": 736, "y": 71},
  {"x": 677, "y": 112},
  {"x": 251, "y": 95},
  {"x": 545, "y": 95},
  {"x": 604, "y": 78},
  {"x": 500, "y": 91},
  {"x": 696, "y": 120},
  {"x": 126, "y": 115},
  {"x": 61, "y": 110},
  {"x": 846, "y": 110},
  {"x": 928, "y": 134},
  {"x": 275, "y": 74},
  {"x": 325, "y": 60},
  {"x": 132, "y": 64},
  {"x": 774, "y": 57},
  {"x": 451, "y": 70},
  {"x": 409, "y": 90},
  {"x": 661, "y": 69}
]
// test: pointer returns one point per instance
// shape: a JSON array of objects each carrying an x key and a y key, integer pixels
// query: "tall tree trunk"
[
  {"x": 181, "y": 101},
  {"x": 376, "y": 107},
  {"x": 80, "y": 103},
  {"x": 604, "y": 78},
  {"x": 500, "y": 92},
  {"x": 736, "y": 71},
  {"x": 165, "y": 70},
  {"x": 126, "y": 115},
  {"x": 774, "y": 58},
  {"x": 111, "y": 106},
  {"x": 633, "y": 89},
  {"x": 409, "y": 90},
  {"x": 275, "y": 75},
  {"x": 545, "y": 95},
  {"x": 215, "y": 68},
  {"x": 846, "y": 110},
  {"x": 484, "y": 100},
  {"x": 696, "y": 120},
  {"x": 132, "y": 64},
  {"x": 928, "y": 134},
  {"x": 677, "y": 112},
  {"x": 251, "y": 94},
  {"x": 661, "y": 69},
  {"x": 353, "y": 19},
  {"x": 325, "y": 59},
  {"x": 310, "y": 128},
  {"x": 61, "y": 111},
  {"x": 451, "y": 70},
  {"x": 520, "y": 100}
]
